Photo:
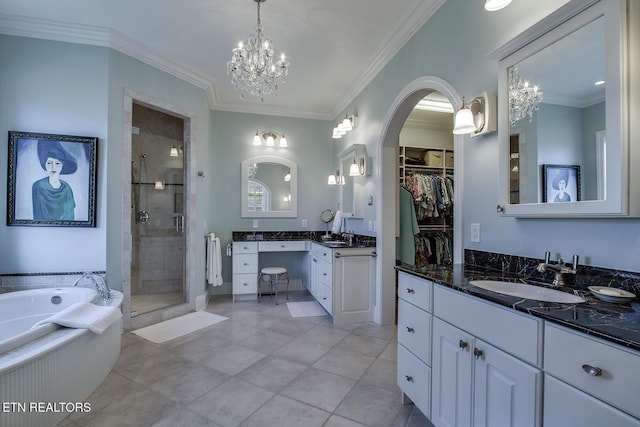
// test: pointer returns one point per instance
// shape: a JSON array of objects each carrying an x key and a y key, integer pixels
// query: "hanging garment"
[{"x": 405, "y": 243}]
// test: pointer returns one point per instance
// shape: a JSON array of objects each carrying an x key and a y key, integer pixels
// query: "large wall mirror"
[
  {"x": 269, "y": 187},
  {"x": 561, "y": 114}
]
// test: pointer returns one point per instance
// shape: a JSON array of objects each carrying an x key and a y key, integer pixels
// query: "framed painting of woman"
[
  {"x": 52, "y": 180},
  {"x": 561, "y": 183}
]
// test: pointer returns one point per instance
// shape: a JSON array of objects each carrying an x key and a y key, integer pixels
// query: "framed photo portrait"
[
  {"x": 52, "y": 180},
  {"x": 561, "y": 183}
]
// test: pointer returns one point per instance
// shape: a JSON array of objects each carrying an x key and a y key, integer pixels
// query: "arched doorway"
[{"x": 388, "y": 188}]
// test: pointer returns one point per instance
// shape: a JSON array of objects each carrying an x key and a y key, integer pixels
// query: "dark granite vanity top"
[
  {"x": 618, "y": 323},
  {"x": 358, "y": 240}
]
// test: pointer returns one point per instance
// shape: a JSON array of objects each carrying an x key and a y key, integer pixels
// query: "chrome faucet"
[
  {"x": 559, "y": 268},
  {"x": 102, "y": 288}
]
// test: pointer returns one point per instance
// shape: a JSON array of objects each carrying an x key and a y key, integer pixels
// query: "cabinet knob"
[
  {"x": 246, "y": 263},
  {"x": 409, "y": 378},
  {"x": 245, "y": 284},
  {"x": 592, "y": 370},
  {"x": 410, "y": 291},
  {"x": 477, "y": 353},
  {"x": 463, "y": 344},
  {"x": 410, "y": 329}
]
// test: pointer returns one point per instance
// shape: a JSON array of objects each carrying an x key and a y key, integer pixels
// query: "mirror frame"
[
  {"x": 354, "y": 210},
  {"x": 244, "y": 182},
  {"x": 565, "y": 20}
]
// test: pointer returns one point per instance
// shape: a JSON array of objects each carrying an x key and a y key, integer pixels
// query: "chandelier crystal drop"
[
  {"x": 523, "y": 98},
  {"x": 252, "y": 68}
]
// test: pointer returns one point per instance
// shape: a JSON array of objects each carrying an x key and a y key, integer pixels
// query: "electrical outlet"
[
  {"x": 304, "y": 222},
  {"x": 255, "y": 223},
  {"x": 475, "y": 233}
]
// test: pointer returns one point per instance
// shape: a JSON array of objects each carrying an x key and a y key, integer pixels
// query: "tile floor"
[{"x": 258, "y": 368}]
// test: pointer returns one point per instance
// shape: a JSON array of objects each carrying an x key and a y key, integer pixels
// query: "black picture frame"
[
  {"x": 51, "y": 180},
  {"x": 554, "y": 192}
]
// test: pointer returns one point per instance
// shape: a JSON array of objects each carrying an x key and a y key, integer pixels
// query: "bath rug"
[
  {"x": 178, "y": 326},
  {"x": 305, "y": 309}
]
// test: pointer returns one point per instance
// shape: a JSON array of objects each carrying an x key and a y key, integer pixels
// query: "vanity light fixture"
[
  {"x": 270, "y": 138},
  {"x": 357, "y": 167},
  {"x": 346, "y": 125},
  {"x": 335, "y": 179},
  {"x": 173, "y": 152},
  {"x": 493, "y": 5},
  {"x": 477, "y": 117},
  {"x": 159, "y": 184}
]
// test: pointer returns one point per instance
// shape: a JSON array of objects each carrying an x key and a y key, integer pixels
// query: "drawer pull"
[
  {"x": 463, "y": 344},
  {"x": 477, "y": 353},
  {"x": 410, "y": 329},
  {"x": 408, "y": 378},
  {"x": 410, "y": 291},
  {"x": 246, "y": 263},
  {"x": 592, "y": 370}
]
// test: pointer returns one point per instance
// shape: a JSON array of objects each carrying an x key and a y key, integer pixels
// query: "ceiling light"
[
  {"x": 251, "y": 66},
  {"x": 493, "y": 5},
  {"x": 599, "y": 82},
  {"x": 523, "y": 98}
]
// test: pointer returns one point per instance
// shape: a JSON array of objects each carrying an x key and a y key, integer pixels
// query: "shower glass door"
[{"x": 157, "y": 211}]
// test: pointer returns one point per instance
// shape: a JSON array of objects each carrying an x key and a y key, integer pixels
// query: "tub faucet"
[
  {"x": 101, "y": 285},
  {"x": 559, "y": 268}
]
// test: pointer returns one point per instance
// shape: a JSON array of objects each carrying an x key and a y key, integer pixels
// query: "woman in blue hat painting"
[
  {"x": 52, "y": 197},
  {"x": 560, "y": 183}
]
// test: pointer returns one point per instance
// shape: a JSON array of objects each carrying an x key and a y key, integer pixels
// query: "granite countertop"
[
  {"x": 617, "y": 323},
  {"x": 359, "y": 241}
]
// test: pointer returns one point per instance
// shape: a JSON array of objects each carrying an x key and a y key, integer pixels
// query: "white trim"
[{"x": 387, "y": 188}]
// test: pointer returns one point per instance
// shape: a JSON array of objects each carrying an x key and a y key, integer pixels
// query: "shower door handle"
[{"x": 179, "y": 223}]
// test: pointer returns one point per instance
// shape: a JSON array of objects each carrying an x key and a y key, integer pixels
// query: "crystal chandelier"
[
  {"x": 252, "y": 68},
  {"x": 523, "y": 98}
]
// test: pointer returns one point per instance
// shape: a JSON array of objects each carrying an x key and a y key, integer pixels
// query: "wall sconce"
[
  {"x": 476, "y": 118},
  {"x": 286, "y": 198},
  {"x": 493, "y": 5},
  {"x": 287, "y": 177},
  {"x": 358, "y": 167},
  {"x": 175, "y": 151},
  {"x": 270, "y": 139},
  {"x": 159, "y": 185},
  {"x": 347, "y": 124},
  {"x": 335, "y": 179}
]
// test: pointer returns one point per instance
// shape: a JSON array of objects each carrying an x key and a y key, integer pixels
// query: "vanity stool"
[{"x": 271, "y": 275}]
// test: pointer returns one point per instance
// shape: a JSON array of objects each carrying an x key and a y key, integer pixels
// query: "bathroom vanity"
[
  {"x": 340, "y": 277},
  {"x": 468, "y": 356}
]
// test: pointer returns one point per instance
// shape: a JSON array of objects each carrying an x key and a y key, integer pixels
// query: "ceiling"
[{"x": 335, "y": 47}]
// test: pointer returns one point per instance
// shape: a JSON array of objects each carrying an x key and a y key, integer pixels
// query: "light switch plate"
[{"x": 475, "y": 233}]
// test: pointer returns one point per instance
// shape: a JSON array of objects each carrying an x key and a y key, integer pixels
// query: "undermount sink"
[
  {"x": 336, "y": 243},
  {"x": 523, "y": 290}
]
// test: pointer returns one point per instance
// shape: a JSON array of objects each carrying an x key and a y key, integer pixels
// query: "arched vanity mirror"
[
  {"x": 562, "y": 114},
  {"x": 269, "y": 187}
]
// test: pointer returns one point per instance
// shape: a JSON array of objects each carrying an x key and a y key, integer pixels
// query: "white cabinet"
[
  {"x": 477, "y": 381},
  {"x": 414, "y": 341},
  {"x": 245, "y": 270},
  {"x": 320, "y": 283},
  {"x": 343, "y": 282},
  {"x": 594, "y": 382}
]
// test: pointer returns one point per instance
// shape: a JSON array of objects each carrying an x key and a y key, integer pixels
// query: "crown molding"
[{"x": 398, "y": 37}]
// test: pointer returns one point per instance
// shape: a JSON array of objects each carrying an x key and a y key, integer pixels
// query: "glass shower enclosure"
[{"x": 157, "y": 211}]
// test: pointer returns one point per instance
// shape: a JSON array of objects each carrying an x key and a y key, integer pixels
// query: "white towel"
[
  {"x": 336, "y": 228},
  {"x": 214, "y": 261},
  {"x": 84, "y": 315}
]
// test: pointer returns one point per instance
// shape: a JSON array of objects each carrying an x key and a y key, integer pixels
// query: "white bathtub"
[{"x": 48, "y": 372}]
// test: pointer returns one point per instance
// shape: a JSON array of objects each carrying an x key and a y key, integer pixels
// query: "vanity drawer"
[
  {"x": 618, "y": 381},
  {"x": 245, "y": 247},
  {"x": 245, "y": 263},
  {"x": 245, "y": 283},
  {"x": 414, "y": 379},
  {"x": 415, "y": 290},
  {"x": 516, "y": 333},
  {"x": 414, "y": 330},
  {"x": 283, "y": 246},
  {"x": 322, "y": 252}
]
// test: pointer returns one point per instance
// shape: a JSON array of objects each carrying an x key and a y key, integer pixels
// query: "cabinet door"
[
  {"x": 452, "y": 374},
  {"x": 353, "y": 286},
  {"x": 314, "y": 281},
  {"x": 506, "y": 390},
  {"x": 568, "y": 406}
]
